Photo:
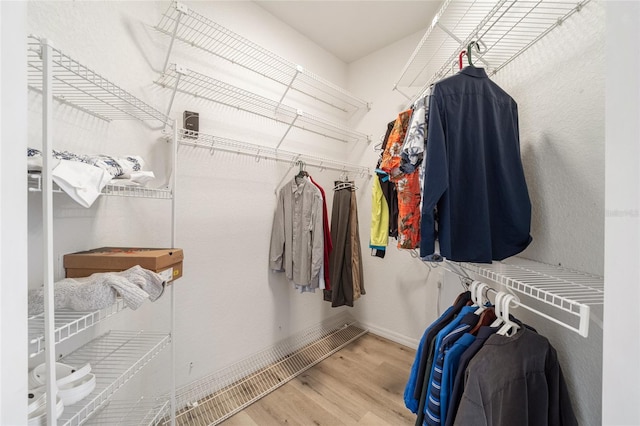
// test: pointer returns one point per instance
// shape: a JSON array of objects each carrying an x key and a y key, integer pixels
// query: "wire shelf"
[
  {"x": 215, "y": 143},
  {"x": 84, "y": 89},
  {"x": 142, "y": 412},
  {"x": 220, "y": 395},
  {"x": 115, "y": 358},
  {"x": 506, "y": 28},
  {"x": 67, "y": 324},
  {"x": 569, "y": 291},
  {"x": 34, "y": 184},
  {"x": 202, "y": 86},
  {"x": 196, "y": 30}
]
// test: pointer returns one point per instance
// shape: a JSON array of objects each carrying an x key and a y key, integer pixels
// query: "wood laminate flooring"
[{"x": 362, "y": 384}]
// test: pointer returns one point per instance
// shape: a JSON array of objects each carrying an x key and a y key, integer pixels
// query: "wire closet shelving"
[
  {"x": 570, "y": 294},
  {"x": 143, "y": 412},
  {"x": 75, "y": 84},
  {"x": 67, "y": 324},
  {"x": 79, "y": 86},
  {"x": 186, "y": 25},
  {"x": 34, "y": 184},
  {"x": 202, "y": 86},
  {"x": 115, "y": 357},
  {"x": 215, "y": 143},
  {"x": 504, "y": 28}
]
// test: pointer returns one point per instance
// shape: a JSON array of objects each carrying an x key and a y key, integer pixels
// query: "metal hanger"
[
  {"x": 462, "y": 53},
  {"x": 302, "y": 172},
  {"x": 476, "y": 44}
]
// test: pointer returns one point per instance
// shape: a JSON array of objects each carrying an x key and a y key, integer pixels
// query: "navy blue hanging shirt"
[{"x": 475, "y": 198}]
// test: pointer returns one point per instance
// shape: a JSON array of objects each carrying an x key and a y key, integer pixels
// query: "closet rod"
[
  {"x": 570, "y": 293},
  {"x": 213, "y": 143}
]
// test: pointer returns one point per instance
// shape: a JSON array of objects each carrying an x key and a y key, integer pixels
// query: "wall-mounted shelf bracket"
[
  {"x": 299, "y": 69},
  {"x": 181, "y": 9},
  {"x": 298, "y": 114},
  {"x": 180, "y": 71}
]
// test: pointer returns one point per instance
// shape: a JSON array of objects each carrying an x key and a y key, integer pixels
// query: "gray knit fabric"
[
  {"x": 135, "y": 285},
  {"x": 132, "y": 295},
  {"x": 78, "y": 294},
  {"x": 149, "y": 281}
]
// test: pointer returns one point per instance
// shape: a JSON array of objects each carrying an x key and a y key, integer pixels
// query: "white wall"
[
  {"x": 13, "y": 206},
  {"x": 621, "y": 373},
  {"x": 559, "y": 87}
]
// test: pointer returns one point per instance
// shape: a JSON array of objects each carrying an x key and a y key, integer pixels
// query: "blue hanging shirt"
[{"x": 475, "y": 198}]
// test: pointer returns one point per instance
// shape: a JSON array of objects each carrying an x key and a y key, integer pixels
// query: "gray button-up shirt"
[{"x": 297, "y": 237}]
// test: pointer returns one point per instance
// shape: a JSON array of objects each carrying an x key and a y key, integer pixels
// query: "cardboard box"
[{"x": 166, "y": 261}]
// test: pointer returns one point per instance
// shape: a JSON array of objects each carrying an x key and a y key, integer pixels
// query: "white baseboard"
[{"x": 391, "y": 335}]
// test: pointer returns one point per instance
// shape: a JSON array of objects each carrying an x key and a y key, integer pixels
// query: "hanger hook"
[
  {"x": 462, "y": 53},
  {"x": 481, "y": 299},
  {"x": 469, "y": 48}
]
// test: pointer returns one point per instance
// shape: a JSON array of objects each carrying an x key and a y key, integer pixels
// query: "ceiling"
[{"x": 355, "y": 28}]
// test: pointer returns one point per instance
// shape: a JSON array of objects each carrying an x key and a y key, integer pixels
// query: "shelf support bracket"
[
  {"x": 395, "y": 87},
  {"x": 298, "y": 114},
  {"x": 299, "y": 69},
  {"x": 180, "y": 71},
  {"x": 182, "y": 9}
]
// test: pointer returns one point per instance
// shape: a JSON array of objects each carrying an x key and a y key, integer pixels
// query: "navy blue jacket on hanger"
[{"x": 473, "y": 172}]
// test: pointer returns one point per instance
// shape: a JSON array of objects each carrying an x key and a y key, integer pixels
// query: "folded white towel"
[{"x": 83, "y": 182}]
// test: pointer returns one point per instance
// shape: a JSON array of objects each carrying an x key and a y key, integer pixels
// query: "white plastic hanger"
[
  {"x": 509, "y": 327},
  {"x": 344, "y": 183},
  {"x": 473, "y": 289},
  {"x": 498, "y": 322},
  {"x": 480, "y": 297}
]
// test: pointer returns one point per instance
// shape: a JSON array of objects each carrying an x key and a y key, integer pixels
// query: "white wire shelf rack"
[
  {"x": 571, "y": 293},
  {"x": 34, "y": 184},
  {"x": 202, "y": 86},
  {"x": 79, "y": 86},
  {"x": 215, "y": 398},
  {"x": 143, "y": 412},
  {"x": 216, "y": 143},
  {"x": 186, "y": 25},
  {"x": 115, "y": 357},
  {"x": 67, "y": 324},
  {"x": 506, "y": 28}
]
